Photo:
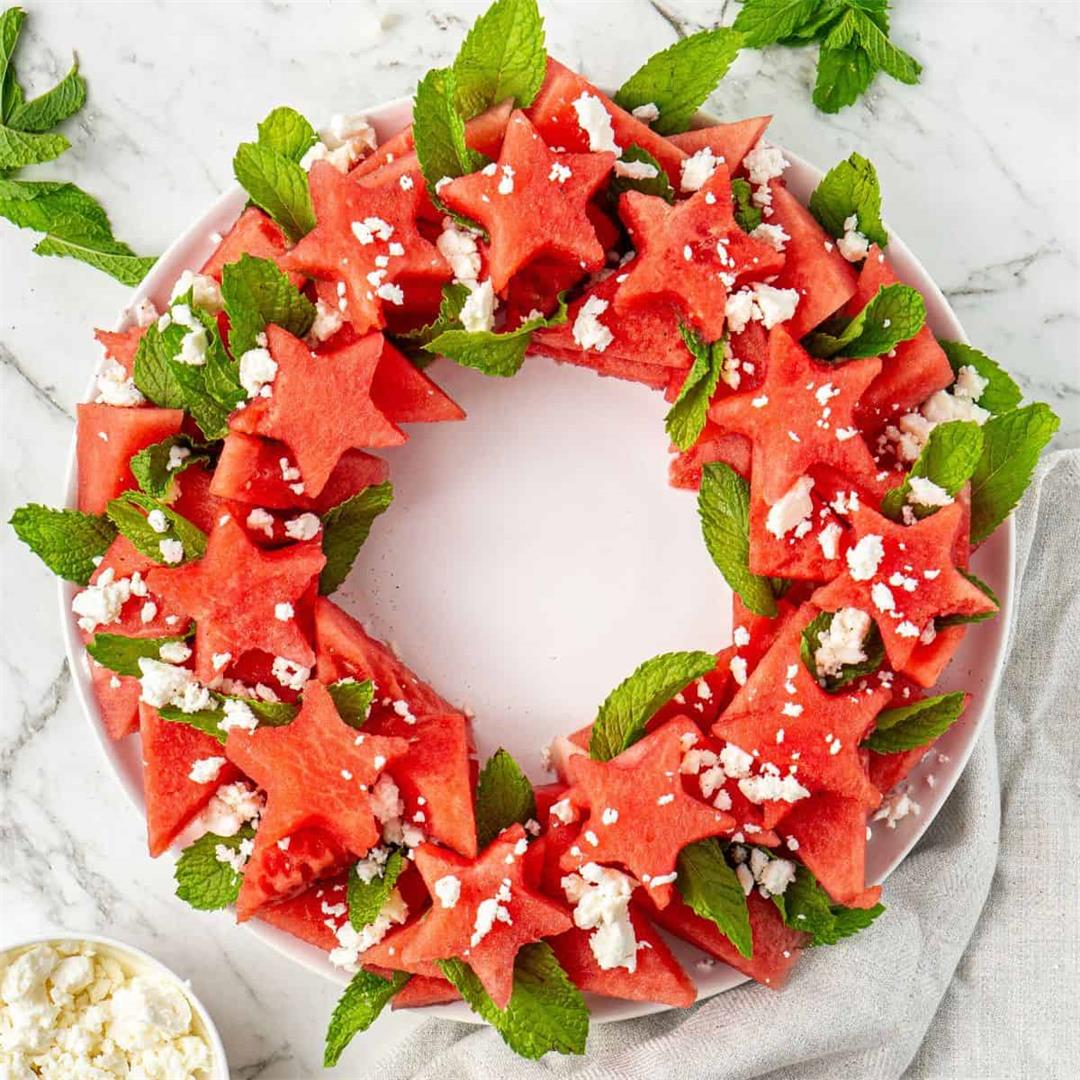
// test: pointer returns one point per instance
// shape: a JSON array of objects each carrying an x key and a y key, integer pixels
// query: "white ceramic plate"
[{"x": 535, "y": 555}]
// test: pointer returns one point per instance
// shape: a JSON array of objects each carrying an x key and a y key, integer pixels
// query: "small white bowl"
[{"x": 141, "y": 963}]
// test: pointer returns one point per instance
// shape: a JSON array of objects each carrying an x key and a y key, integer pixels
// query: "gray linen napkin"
[{"x": 974, "y": 970}]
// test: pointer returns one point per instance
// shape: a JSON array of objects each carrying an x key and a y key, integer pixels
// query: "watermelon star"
[
  {"x": 483, "y": 911},
  {"x": 533, "y": 202},
  {"x": 905, "y": 576},
  {"x": 316, "y": 771},
  {"x": 691, "y": 254},
  {"x": 366, "y": 239},
  {"x": 801, "y": 416},
  {"x": 638, "y": 812},
  {"x": 320, "y": 405},
  {"x": 237, "y": 593}
]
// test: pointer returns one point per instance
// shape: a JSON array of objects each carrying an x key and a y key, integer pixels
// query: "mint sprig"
[
  {"x": 710, "y": 888},
  {"x": 804, "y": 905},
  {"x": 679, "y": 79},
  {"x": 810, "y": 642},
  {"x": 658, "y": 184},
  {"x": 202, "y": 880},
  {"x": 1001, "y": 393},
  {"x": 345, "y": 528},
  {"x": 915, "y": 725},
  {"x": 255, "y": 293},
  {"x": 503, "y": 796},
  {"x": 352, "y": 700},
  {"x": 847, "y": 189},
  {"x": 68, "y": 542},
  {"x": 151, "y": 465},
  {"x": 895, "y": 313},
  {"x": 546, "y": 1011},
  {"x": 686, "y": 418},
  {"x": 622, "y": 718},
  {"x": 357, "y": 1009},
  {"x": 415, "y": 341},
  {"x": 367, "y": 898},
  {"x": 439, "y": 130},
  {"x": 121, "y": 653},
  {"x": 950, "y": 456},
  {"x": 128, "y": 512},
  {"x": 724, "y": 509},
  {"x": 747, "y": 216}
]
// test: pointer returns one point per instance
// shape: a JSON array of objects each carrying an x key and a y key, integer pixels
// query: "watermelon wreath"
[{"x": 846, "y": 463}]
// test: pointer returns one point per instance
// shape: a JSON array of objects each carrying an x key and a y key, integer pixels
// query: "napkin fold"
[{"x": 975, "y": 968}]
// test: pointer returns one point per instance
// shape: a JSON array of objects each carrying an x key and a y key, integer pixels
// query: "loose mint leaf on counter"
[
  {"x": 764, "y": 22},
  {"x": 843, "y": 76},
  {"x": 67, "y": 541}
]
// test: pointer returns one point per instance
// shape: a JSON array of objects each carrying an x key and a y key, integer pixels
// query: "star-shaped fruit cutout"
[
  {"x": 242, "y": 597},
  {"x": 319, "y": 405},
  {"x": 483, "y": 911},
  {"x": 796, "y": 738},
  {"x": 639, "y": 815},
  {"x": 532, "y": 201},
  {"x": 801, "y": 416},
  {"x": 904, "y": 576},
  {"x": 691, "y": 254},
  {"x": 366, "y": 238},
  {"x": 316, "y": 771}
]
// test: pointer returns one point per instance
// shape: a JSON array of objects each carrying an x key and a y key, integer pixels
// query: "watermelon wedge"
[
  {"x": 121, "y": 345},
  {"x": 306, "y": 914},
  {"x": 728, "y": 142},
  {"x": 253, "y": 234}
]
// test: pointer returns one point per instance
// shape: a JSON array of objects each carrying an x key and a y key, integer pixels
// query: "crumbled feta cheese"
[
  {"x": 594, "y": 120},
  {"x": 736, "y": 762},
  {"x": 865, "y": 557},
  {"x": 258, "y": 369},
  {"x": 116, "y": 388},
  {"x": 458, "y": 247},
  {"x": 829, "y": 539},
  {"x": 764, "y": 163},
  {"x": 506, "y": 181},
  {"x": 841, "y": 643},
  {"x": 328, "y": 321},
  {"x": 259, "y": 520},
  {"x": 304, "y": 527},
  {"x": 284, "y": 611},
  {"x": 759, "y": 303},
  {"x": 737, "y": 667},
  {"x": 896, "y": 806},
  {"x": 448, "y": 890},
  {"x": 601, "y": 899},
  {"x": 969, "y": 383},
  {"x": 174, "y": 652},
  {"x": 353, "y": 943},
  {"x": 773, "y": 235},
  {"x": 102, "y": 602},
  {"x": 205, "y": 291},
  {"x": 635, "y": 170},
  {"x": 488, "y": 912},
  {"x": 172, "y": 551},
  {"x": 165, "y": 684},
  {"x": 560, "y": 173},
  {"x": 564, "y": 811},
  {"x": 589, "y": 332},
  {"x": 206, "y": 770},
  {"x": 924, "y": 492},
  {"x": 478, "y": 311},
  {"x": 289, "y": 673},
  {"x": 695, "y": 170},
  {"x": 769, "y": 787},
  {"x": 853, "y": 245},
  {"x": 791, "y": 509},
  {"x": 646, "y": 113},
  {"x": 177, "y": 456},
  {"x": 882, "y": 596}
]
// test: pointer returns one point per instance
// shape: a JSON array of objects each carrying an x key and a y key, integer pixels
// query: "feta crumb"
[
  {"x": 588, "y": 331},
  {"x": 114, "y": 387},
  {"x": 924, "y": 492},
  {"x": 646, "y": 113},
  {"x": 791, "y": 509},
  {"x": 601, "y": 899},
  {"x": 172, "y": 551},
  {"x": 458, "y": 247},
  {"x": 289, "y": 673},
  {"x": 206, "y": 770},
  {"x": 304, "y": 527},
  {"x": 448, "y": 890},
  {"x": 695, "y": 170},
  {"x": 841, "y": 643},
  {"x": 635, "y": 170},
  {"x": 259, "y": 520},
  {"x": 594, "y": 120},
  {"x": 853, "y": 245},
  {"x": 258, "y": 369},
  {"x": 773, "y": 235},
  {"x": 283, "y": 612},
  {"x": 865, "y": 557},
  {"x": 478, "y": 311}
]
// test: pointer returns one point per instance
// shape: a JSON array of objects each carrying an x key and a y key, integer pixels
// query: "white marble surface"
[{"x": 980, "y": 170}]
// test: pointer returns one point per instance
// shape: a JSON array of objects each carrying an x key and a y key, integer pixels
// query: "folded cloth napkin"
[{"x": 975, "y": 968}]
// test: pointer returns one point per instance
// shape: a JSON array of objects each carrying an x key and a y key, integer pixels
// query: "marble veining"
[{"x": 980, "y": 170}]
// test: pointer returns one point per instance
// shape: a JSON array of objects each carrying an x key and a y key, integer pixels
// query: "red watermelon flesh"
[
  {"x": 614, "y": 367},
  {"x": 118, "y": 701},
  {"x": 536, "y": 287},
  {"x": 917, "y": 367},
  {"x": 713, "y": 444},
  {"x": 121, "y": 345},
  {"x": 253, "y": 234},
  {"x": 305, "y": 916},
  {"x": 169, "y": 751},
  {"x": 390, "y": 952},
  {"x": 775, "y": 946},
  {"x": 107, "y": 436},
  {"x": 927, "y": 662},
  {"x": 823, "y": 278},
  {"x": 553, "y": 114},
  {"x": 888, "y": 770},
  {"x": 405, "y": 395},
  {"x": 729, "y": 142},
  {"x": 195, "y": 501},
  {"x": 420, "y": 991}
]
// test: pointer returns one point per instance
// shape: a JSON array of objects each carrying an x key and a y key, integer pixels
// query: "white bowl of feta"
[{"x": 73, "y": 1005}]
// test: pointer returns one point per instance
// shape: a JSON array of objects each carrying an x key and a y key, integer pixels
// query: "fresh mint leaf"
[
  {"x": 747, "y": 216},
  {"x": 155, "y": 365},
  {"x": 128, "y": 512},
  {"x": 503, "y": 56},
  {"x": 208, "y": 721},
  {"x": 345, "y": 528},
  {"x": 724, "y": 509},
  {"x": 20, "y": 148},
  {"x": 439, "y": 130},
  {"x": 449, "y": 318},
  {"x": 546, "y": 1011},
  {"x": 357, "y": 1009},
  {"x": 255, "y": 292},
  {"x": 1012, "y": 444},
  {"x": 917, "y": 724},
  {"x": 686, "y": 417},
  {"x": 278, "y": 185},
  {"x": 843, "y": 76},
  {"x": 804, "y": 905},
  {"x": 1001, "y": 394},
  {"x": 883, "y": 54},
  {"x": 621, "y": 719},
  {"x": 948, "y": 460},
  {"x": 873, "y": 646},
  {"x": 679, "y": 79},
  {"x": 68, "y": 542},
  {"x": 895, "y": 313},
  {"x": 352, "y": 700},
  {"x": 503, "y": 796},
  {"x": 711, "y": 889},
  {"x": 53, "y": 107},
  {"x": 121, "y": 654},
  {"x": 202, "y": 879},
  {"x": 849, "y": 189},
  {"x": 367, "y": 898},
  {"x": 657, "y": 184},
  {"x": 151, "y": 468},
  {"x": 763, "y": 22},
  {"x": 11, "y": 22},
  {"x": 286, "y": 132}
]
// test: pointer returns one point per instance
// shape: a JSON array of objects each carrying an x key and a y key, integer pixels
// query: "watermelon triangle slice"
[
  {"x": 728, "y": 142},
  {"x": 121, "y": 346},
  {"x": 405, "y": 395},
  {"x": 307, "y": 914},
  {"x": 421, "y": 991},
  {"x": 253, "y": 234}
]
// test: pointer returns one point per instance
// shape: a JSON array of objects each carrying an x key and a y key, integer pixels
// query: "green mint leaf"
[
  {"x": 121, "y": 654},
  {"x": 155, "y": 367},
  {"x": 128, "y": 512},
  {"x": 208, "y": 721},
  {"x": 352, "y": 700},
  {"x": 503, "y": 56},
  {"x": 439, "y": 130},
  {"x": 546, "y": 1011},
  {"x": 503, "y": 796},
  {"x": 277, "y": 185},
  {"x": 873, "y": 646},
  {"x": 367, "y": 898},
  {"x": 286, "y": 132},
  {"x": 850, "y": 188},
  {"x": 948, "y": 460},
  {"x": 711, "y": 889},
  {"x": 621, "y": 719},
  {"x": 686, "y": 417},
  {"x": 763, "y": 22},
  {"x": 53, "y": 107},
  {"x": 962, "y": 620},
  {"x": 1001, "y": 393},
  {"x": 20, "y": 148},
  {"x": 724, "y": 509},
  {"x": 203, "y": 880},
  {"x": 414, "y": 342},
  {"x": 893, "y": 314},
  {"x": 915, "y": 725},
  {"x": 497, "y": 354},
  {"x": 883, "y": 54},
  {"x": 150, "y": 466},
  {"x": 679, "y": 79},
  {"x": 345, "y": 528},
  {"x": 357, "y": 1009},
  {"x": 67, "y": 541},
  {"x": 804, "y": 905},
  {"x": 657, "y": 184},
  {"x": 1012, "y": 444},
  {"x": 10, "y": 27},
  {"x": 843, "y": 76},
  {"x": 255, "y": 292},
  {"x": 747, "y": 216}
]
